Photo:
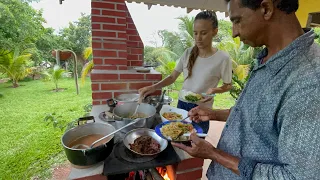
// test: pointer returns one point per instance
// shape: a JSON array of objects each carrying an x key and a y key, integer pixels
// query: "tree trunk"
[
  {"x": 15, "y": 83},
  {"x": 57, "y": 89}
]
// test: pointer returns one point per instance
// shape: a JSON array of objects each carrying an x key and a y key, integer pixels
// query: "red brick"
[
  {"x": 121, "y": 7},
  {"x": 140, "y": 44},
  {"x": 131, "y": 26},
  {"x": 122, "y": 67},
  {"x": 136, "y": 51},
  {"x": 97, "y": 61},
  {"x": 104, "y": 102},
  {"x": 129, "y": 19},
  {"x": 134, "y": 86},
  {"x": 136, "y": 63},
  {"x": 95, "y": 11},
  {"x": 133, "y": 57},
  {"x": 96, "y": 45},
  {"x": 197, "y": 174},
  {"x": 132, "y": 32},
  {"x": 114, "y": 27},
  {"x": 95, "y": 103},
  {"x": 114, "y": 13},
  {"x": 102, "y": 5},
  {"x": 153, "y": 76},
  {"x": 103, "y": 19},
  {"x": 134, "y": 38},
  {"x": 132, "y": 76},
  {"x": 104, "y": 33},
  {"x": 96, "y": 39},
  {"x": 121, "y": 21},
  {"x": 95, "y": 26},
  {"x": 96, "y": 77},
  {"x": 129, "y": 63},
  {"x": 133, "y": 44},
  {"x": 119, "y": 1},
  {"x": 115, "y": 61},
  {"x": 122, "y": 54},
  {"x": 141, "y": 57},
  {"x": 122, "y": 35},
  {"x": 95, "y": 87},
  {"x": 106, "y": 67},
  {"x": 104, "y": 53},
  {"x": 114, "y": 86},
  {"x": 101, "y": 95},
  {"x": 190, "y": 164},
  {"x": 114, "y": 46}
]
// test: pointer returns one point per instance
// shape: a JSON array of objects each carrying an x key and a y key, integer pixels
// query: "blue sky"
[{"x": 148, "y": 22}]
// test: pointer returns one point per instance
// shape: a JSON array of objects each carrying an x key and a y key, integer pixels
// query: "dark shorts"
[{"x": 188, "y": 107}]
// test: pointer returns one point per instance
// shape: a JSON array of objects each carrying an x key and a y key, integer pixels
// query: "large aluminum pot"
[
  {"x": 91, "y": 156},
  {"x": 123, "y": 111}
]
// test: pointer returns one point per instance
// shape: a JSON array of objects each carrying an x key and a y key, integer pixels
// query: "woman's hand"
[
  {"x": 199, "y": 114},
  {"x": 145, "y": 91},
  {"x": 211, "y": 91}
]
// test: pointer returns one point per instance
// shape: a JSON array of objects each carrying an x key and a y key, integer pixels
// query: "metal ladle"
[{"x": 84, "y": 146}]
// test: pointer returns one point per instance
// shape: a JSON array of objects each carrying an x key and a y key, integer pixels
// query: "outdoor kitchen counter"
[{"x": 97, "y": 169}]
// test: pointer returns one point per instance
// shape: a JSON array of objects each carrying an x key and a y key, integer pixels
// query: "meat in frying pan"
[{"x": 145, "y": 145}]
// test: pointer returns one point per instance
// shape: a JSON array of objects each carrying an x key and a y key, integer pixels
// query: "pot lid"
[{"x": 127, "y": 97}]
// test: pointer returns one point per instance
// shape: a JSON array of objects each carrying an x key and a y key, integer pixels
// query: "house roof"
[{"x": 215, "y": 5}]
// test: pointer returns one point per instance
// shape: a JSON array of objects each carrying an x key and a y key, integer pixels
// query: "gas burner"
[{"x": 123, "y": 153}]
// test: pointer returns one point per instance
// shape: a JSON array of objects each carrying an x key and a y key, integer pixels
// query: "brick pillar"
[{"x": 117, "y": 47}]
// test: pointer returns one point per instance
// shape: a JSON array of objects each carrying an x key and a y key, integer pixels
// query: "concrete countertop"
[{"x": 98, "y": 168}]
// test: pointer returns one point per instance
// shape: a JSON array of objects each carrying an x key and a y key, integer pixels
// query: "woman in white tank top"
[{"x": 202, "y": 65}]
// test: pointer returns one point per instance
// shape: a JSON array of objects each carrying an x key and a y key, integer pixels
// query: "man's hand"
[
  {"x": 200, "y": 147},
  {"x": 199, "y": 114}
]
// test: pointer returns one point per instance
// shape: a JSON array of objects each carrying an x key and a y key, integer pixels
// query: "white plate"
[
  {"x": 168, "y": 108},
  {"x": 184, "y": 93}
]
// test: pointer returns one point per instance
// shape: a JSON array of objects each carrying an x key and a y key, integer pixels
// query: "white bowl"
[{"x": 168, "y": 108}]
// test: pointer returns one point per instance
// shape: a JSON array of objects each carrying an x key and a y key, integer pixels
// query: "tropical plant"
[
  {"x": 15, "y": 64},
  {"x": 87, "y": 55},
  {"x": 242, "y": 60},
  {"x": 55, "y": 74}
]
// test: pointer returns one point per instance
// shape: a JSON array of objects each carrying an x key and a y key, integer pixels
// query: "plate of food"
[
  {"x": 169, "y": 113},
  {"x": 175, "y": 130},
  {"x": 190, "y": 97}
]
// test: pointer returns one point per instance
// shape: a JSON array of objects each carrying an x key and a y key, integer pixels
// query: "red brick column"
[{"x": 117, "y": 47}]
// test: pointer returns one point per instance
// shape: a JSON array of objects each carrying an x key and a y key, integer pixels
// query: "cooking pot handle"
[
  {"x": 111, "y": 103},
  {"x": 94, "y": 150},
  {"x": 87, "y": 118}
]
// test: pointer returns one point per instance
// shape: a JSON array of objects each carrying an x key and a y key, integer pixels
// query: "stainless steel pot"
[
  {"x": 87, "y": 157},
  {"x": 123, "y": 111}
]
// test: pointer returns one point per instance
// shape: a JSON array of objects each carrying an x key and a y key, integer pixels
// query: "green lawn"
[{"x": 29, "y": 148}]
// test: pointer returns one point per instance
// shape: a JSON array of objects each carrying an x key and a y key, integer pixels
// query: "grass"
[{"x": 29, "y": 147}]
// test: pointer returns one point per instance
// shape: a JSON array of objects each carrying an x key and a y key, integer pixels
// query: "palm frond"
[
  {"x": 85, "y": 71},
  {"x": 87, "y": 53}
]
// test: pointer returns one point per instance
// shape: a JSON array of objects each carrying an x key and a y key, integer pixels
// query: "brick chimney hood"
[{"x": 117, "y": 48}]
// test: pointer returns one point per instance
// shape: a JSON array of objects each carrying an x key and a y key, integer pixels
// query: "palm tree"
[
  {"x": 15, "y": 64},
  {"x": 54, "y": 75},
  {"x": 186, "y": 31},
  {"x": 242, "y": 60},
  {"x": 87, "y": 54}
]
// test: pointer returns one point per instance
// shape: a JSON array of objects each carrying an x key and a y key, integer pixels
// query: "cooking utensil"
[
  {"x": 122, "y": 112},
  {"x": 198, "y": 134},
  {"x": 87, "y": 157},
  {"x": 183, "y": 120},
  {"x": 108, "y": 135},
  {"x": 135, "y": 133}
]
